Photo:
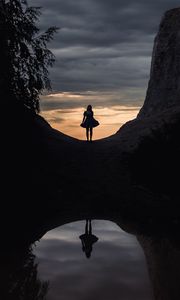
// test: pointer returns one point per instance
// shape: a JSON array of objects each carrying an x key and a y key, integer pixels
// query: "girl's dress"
[{"x": 90, "y": 121}]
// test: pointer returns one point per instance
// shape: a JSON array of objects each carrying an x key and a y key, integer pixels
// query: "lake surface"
[{"x": 116, "y": 268}]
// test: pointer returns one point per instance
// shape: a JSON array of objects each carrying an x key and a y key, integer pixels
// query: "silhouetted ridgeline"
[{"x": 132, "y": 171}]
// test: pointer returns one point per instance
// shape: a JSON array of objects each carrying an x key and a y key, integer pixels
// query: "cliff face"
[
  {"x": 163, "y": 262},
  {"x": 164, "y": 84}
]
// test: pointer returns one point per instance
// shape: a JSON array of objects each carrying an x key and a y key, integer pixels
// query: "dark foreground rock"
[{"x": 131, "y": 173}]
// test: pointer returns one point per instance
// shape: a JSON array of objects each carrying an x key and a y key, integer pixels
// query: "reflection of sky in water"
[{"x": 116, "y": 269}]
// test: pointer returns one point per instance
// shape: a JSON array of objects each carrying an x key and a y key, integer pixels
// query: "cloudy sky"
[{"x": 103, "y": 53}]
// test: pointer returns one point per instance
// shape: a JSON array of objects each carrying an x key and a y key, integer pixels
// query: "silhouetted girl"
[
  {"x": 88, "y": 239},
  {"x": 89, "y": 122}
]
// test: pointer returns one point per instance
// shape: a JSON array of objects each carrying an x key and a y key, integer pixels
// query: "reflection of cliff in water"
[
  {"x": 19, "y": 272},
  {"x": 19, "y": 276},
  {"x": 162, "y": 253},
  {"x": 163, "y": 261}
]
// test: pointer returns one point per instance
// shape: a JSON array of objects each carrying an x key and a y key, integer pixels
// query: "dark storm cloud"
[
  {"x": 102, "y": 22},
  {"x": 100, "y": 73},
  {"x": 49, "y": 104},
  {"x": 102, "y": 44},
  {"x": 109, "y": 20}
]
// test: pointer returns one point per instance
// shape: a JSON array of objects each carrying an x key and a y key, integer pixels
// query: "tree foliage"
[
  {"x": 24, "y": 56},
  {"x": 21, "y": 278}
]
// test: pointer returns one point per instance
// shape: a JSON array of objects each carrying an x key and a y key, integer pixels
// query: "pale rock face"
[{"x": 164, "y": 84}]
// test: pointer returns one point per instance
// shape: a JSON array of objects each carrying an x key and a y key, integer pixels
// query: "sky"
[{"x": 103, "y": 54}]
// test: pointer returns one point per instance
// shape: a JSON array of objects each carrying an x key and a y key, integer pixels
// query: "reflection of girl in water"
[
  {"x": 89, "y": 122},
  {"x": 88, "y": 239}
]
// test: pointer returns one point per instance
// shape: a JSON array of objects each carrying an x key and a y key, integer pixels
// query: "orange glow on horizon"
[
  {"x": 111, "y": 119},
  {"x": 64, "y": 95}
]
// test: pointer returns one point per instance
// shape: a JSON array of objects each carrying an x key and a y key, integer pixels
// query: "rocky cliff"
[{"x": 164, "y": 84}]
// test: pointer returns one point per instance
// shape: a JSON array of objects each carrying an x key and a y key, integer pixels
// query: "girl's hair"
[{"x": 89, "y": 107}]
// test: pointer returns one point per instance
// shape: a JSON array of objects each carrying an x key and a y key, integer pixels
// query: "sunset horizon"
[
  {"x": 103, "y": 56},
  {"x": 67, "y": 120}
]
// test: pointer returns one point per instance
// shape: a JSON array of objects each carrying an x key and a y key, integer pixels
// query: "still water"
[{"x": 98, "y": 262}]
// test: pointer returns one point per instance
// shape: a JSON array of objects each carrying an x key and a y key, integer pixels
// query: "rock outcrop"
[{"x": 164, "y": 84}]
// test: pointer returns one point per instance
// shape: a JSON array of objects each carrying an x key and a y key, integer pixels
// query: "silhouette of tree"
[
  {"x": 24, "y": 56},
  {"x": 19, "y": 277}
]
